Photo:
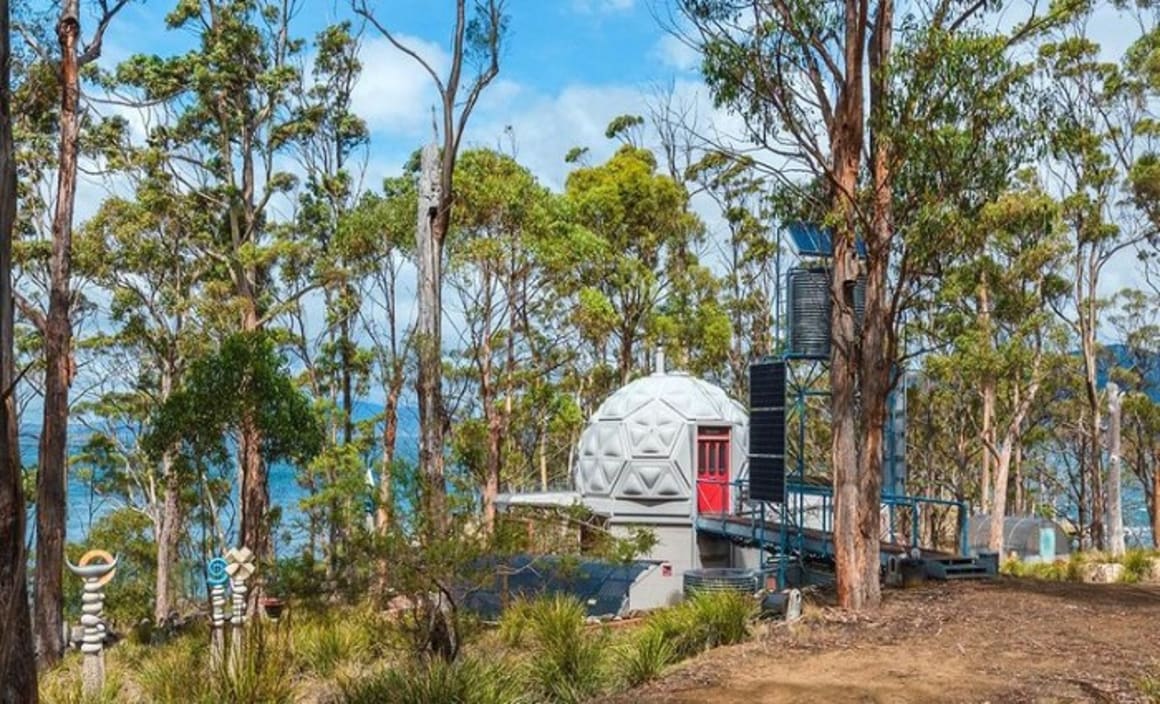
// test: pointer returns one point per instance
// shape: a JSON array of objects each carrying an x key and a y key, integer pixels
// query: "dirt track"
[{"x": 1003, "y": 641}]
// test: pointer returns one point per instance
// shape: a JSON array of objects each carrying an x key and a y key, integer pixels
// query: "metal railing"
[{"x": 793, "y": 512}]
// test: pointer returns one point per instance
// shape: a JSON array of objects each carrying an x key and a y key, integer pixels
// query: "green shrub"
[
  {"x": 465, "y": 681},
  {"x": 566, "y": 662},
  {"x": 513, "y": 625},
  {"x": 176, "y": 672},
  {"x": 704, "y": 621},
  {"x": 643, "y": 658},
  {"x": 722, "y": 618},
  {"x": 62, "y": 685},
  {"x": 1149, "y": 686},
  {"x": 1137, "y": 565},
  {"x": 320, "y": 646}
]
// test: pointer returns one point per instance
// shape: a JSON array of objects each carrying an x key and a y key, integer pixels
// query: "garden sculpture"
[
  {"x": 95, "y": 575},
  {"x": 239, "y": 566},
  {"x": 217, "y": 577}
]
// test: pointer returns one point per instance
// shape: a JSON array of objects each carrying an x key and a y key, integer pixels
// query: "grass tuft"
[
  {"x": 465, "y": 681},
  {"x": 644, "y": 657},
  {"x": 566, "y": 662}
]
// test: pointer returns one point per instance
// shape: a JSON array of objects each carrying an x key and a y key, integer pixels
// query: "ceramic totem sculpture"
[
  {"x": 95, "y": 575},
  {"x": 216, "y": 577},
  {"x": 239, "y": 566}
]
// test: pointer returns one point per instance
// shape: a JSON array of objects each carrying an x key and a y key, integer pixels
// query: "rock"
[{"x": 1102, "y": 572}]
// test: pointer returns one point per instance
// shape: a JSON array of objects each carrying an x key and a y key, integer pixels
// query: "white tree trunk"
[{"x": 1115, "y": 504}]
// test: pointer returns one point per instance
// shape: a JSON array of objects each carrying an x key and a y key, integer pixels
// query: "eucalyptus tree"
[
  {"x": 750, "y": 283},
  {"x": 1096, "y": 126},
  {"x": 331, "y": 142},
  {"x": 1021, "y": 250},
  {"x": 60, "y": 369},
  {"x": 818, "y": 86},
  {"x": 631, "y": 226},
  {"x": 377, "y": 236},
  {"x": 505, "y": 219},
  {"x": 17, "y": 657},
  {"x": 476, "y": 44},
  {"x": 1136, "y": 323},
  {"x": 229, "y": 121},
  {"x": 144, "y": 253}
]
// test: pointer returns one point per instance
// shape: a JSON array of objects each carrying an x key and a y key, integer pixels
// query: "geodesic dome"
[
  {"x": 1031, "y": 538},
  {"x": 640, "y": 446}
]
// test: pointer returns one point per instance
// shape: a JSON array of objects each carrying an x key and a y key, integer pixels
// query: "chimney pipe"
[{"x": 659, "y": 365}]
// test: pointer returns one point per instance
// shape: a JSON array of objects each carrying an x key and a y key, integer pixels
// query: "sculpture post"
[
  {"x": 217, "y": 577},
  {"x": 95, "y": 577},
  {"x": 240, "y": 565}
]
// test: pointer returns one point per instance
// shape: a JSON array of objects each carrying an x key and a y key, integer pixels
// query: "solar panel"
[
  {"x": 767, "y": 431},
  {"x": 812, "y": 241}
]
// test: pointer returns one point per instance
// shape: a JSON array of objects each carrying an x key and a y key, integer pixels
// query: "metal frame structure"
[{"x": 780, "y": 530}]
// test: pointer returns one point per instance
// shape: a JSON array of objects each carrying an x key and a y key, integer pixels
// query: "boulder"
[{"x": 1102, "y": 572}]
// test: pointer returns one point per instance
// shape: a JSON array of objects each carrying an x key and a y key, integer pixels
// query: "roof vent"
[{"x": 659, "y": 365}]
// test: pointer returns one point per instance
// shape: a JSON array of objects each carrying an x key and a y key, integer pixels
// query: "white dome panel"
[
  {"x": 658, "y": 479},
  {"x": 653, "y": 429}
]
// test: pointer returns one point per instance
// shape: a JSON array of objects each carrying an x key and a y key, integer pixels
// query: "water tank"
[
  {"x": 808, "y": 303},
  {"x": 721, "y": 579}
]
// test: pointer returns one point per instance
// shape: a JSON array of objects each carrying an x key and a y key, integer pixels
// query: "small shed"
[{"x": 1030, "y": 538}]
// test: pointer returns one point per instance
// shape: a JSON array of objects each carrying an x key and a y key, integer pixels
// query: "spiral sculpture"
[{"x": 215, "y": 572}]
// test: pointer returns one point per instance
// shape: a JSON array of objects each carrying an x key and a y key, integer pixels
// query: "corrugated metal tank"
[{"x": 808, "y": 300}]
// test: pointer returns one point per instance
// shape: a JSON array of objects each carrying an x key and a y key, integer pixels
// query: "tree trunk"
[
  {"x": 1020, "y": 483},
  {"x": 988, "y": 434},
  {"x": 1115, "y": 505},
  {"x": 17, "y": 657},
  {"x": 255, "y": 494},
  {"x": 432, "y": 226},
  {"x": 167, "y": 541},
  {"x": 999, "y": 504},
  {"x": 390, "y": 436},
  {"x": 1154, "y": 507},
  {"x": 51, "y": 488},
  {"x": 849, "y": 557}
]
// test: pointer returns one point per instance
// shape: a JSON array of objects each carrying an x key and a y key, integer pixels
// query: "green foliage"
[
  {"x": 244, "y": 378},
  {"x": 434, "y": 681},
  {"x": 63, "y": 685},
  {"x": 567, "y": 659},
  {"x": 706, "y": 620},
  {"x": 645, "y": 656},
  {"x": 322, "y": 644},
  {"x": 1149, "y": 685},
  {"x": 177, "y": 671},
  {"x": 1137, "y": 565}
]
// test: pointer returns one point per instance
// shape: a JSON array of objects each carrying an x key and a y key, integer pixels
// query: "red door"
[{"x": 713, "y": 470}]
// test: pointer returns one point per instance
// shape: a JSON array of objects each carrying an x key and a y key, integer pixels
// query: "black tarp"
[{"x": 601, "y": 586}]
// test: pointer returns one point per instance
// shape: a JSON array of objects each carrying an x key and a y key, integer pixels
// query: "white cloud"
[
  {"x": 672, "y": 51},
  {"x": 394, "y": 93}
]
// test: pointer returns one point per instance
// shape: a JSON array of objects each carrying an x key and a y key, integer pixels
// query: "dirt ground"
[{"x": 1004, "y": 641}]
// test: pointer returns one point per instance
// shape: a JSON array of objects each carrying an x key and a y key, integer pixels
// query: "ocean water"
[{"x": 86, "y": 507}]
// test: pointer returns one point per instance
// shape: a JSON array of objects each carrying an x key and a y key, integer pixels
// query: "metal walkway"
[{"x": 802, "y": 528}]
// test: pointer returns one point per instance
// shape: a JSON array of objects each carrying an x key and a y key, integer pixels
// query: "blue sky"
[{"x": 569, "y": 66}]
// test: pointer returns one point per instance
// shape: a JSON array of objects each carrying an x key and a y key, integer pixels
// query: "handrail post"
[{"x": 964, "y": 546}]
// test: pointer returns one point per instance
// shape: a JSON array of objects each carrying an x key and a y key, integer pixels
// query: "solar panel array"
[
  {"x": 767, "y": 431},
  {"x": 812, "y": 241}
]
